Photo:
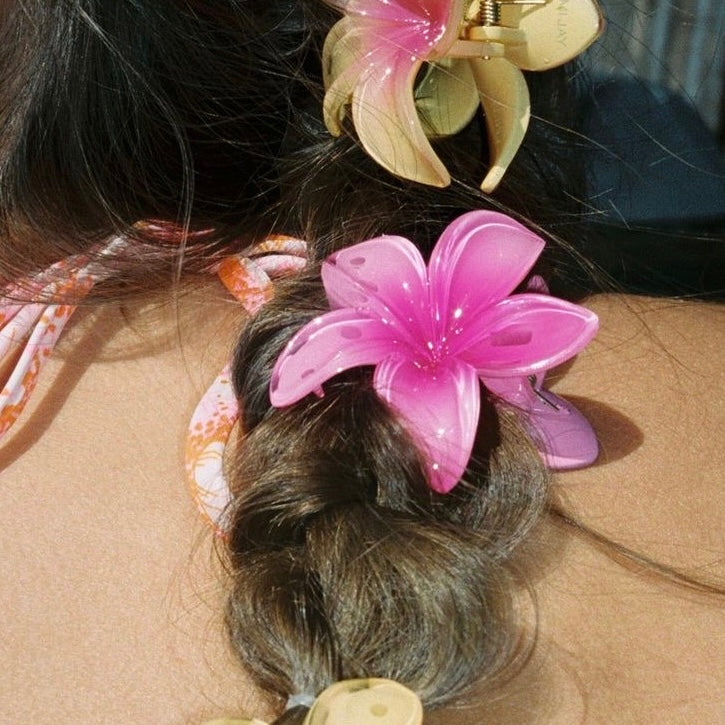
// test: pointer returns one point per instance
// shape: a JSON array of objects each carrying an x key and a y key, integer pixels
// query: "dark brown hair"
[
  {"x": 208, "y": 116},
  {"x": 346, "y": 562}
]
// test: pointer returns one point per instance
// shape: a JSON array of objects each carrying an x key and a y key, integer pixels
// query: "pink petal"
[
  {"x": 386, "y": 276},
  {"x": 326, "y": 346},
  {"x": 524, "y": 335},
  {"x": 432, "y": 22},
  {"x": 564, "y": 437},
  {"x": 372, "y": 58},
  {"x": 480, "y": 258},
  {"x": 439, "y": 407}
]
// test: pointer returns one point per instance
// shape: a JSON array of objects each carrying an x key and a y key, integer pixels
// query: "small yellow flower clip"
[
  {"x": 369, "y": 701},
  {"x": 475, "y": 52},
  {"x": 366, "y": 702}
]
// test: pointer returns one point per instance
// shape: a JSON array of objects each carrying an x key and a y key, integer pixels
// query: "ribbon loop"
[
  {"x": 37, "y": 324},
  {"x": 248, "y": 277}
]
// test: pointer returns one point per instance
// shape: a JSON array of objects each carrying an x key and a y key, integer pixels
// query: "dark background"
[{"x": 654, "y": 142}]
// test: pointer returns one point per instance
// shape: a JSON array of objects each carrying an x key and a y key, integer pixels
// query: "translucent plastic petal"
[
  {"x": 480, "y": 258},
  {"x": 386, "y": 276},
  {"x": 526, "y": 334},
  {"x": 410, "y": 12},
  {"x": 564, "y": 437},
  {"x": 374, "y": 58},
  {"x": 326, "y": 346},
  {"x": 433, "y": 22},
  {"x": 342, "y": 47},
  {"x": 446, "y": 97},
  {"x": 386, "y": 119},
  {"x": 440, "y": 409},
  {"x": 343, "y": 60},
  {"x": 507, "y": 106}
]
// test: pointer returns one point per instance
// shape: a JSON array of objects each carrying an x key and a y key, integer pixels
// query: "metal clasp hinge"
[{"x": 489, "y": 14}]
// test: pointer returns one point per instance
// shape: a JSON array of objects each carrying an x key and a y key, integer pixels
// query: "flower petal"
[
  {"x": 338, "y": 53},
  {"x": 524, "y": 335},
  {"x": 440, "y": 408},
  {"x": 506, "y": 103},
  {"x": 480, "y": 258},
  {"x": 326, "y": 346},
  {"x": 374, "y": 59},
  {"x": 564, "y": 437},
  {"x": 385, "y": 276},
  {"x": 434, "y": 23},
  {"x": 386, "y": 120},
  {"x": 341, "y": 54},
  {"x": 446, "y": 97}
]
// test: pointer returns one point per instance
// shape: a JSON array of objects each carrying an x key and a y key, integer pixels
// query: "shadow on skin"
[
  {"x": 618, "y": 436},
  {"x": 30, "y": 428}
]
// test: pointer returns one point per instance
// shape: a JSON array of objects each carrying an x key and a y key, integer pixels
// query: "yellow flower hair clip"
[
  {"x": 473, "y": 52},
  {"x": 371, "y": 701}
]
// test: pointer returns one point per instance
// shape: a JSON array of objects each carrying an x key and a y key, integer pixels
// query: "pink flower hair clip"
[
  {"x": 434, "y": 332},
  {"x": 472, "y": 53}
]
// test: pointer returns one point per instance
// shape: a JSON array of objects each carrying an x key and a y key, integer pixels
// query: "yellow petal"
[
  {"x": 446, "y": 97},
  {"x": 336, "y": 56},
  {"x": 342, "y": 49},
  {"x": 387, "y": 122},
  {"x": 337, "y": 97},
  {"x": 505, "y": 99}
]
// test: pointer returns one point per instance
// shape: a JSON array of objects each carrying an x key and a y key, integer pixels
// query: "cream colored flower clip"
[
  {"x": 475, "y": 54},
  {"x": 358, "y": 702},
  {"x": 366, "y": 702}
]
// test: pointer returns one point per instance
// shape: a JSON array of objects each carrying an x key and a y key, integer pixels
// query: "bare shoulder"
[
  {"x": 621, "y": 641},
  {"x": 653, "y": 384},
  {"x": 112, "y": 599},
  {"x": 615, "y": 641}
]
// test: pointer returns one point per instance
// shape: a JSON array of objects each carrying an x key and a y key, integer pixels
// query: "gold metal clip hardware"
[{"x": 489, "y": 14}]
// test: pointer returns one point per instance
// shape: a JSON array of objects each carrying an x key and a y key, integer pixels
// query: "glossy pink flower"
[{"x": 433, "y": 332}]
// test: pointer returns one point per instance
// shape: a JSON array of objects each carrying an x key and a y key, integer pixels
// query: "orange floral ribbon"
[
  {"x": 36, "y": 325},
  {"x": 248, "y": 277}
]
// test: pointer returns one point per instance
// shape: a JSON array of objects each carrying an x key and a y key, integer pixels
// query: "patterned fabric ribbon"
[{"x": 249, "y": 278}]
